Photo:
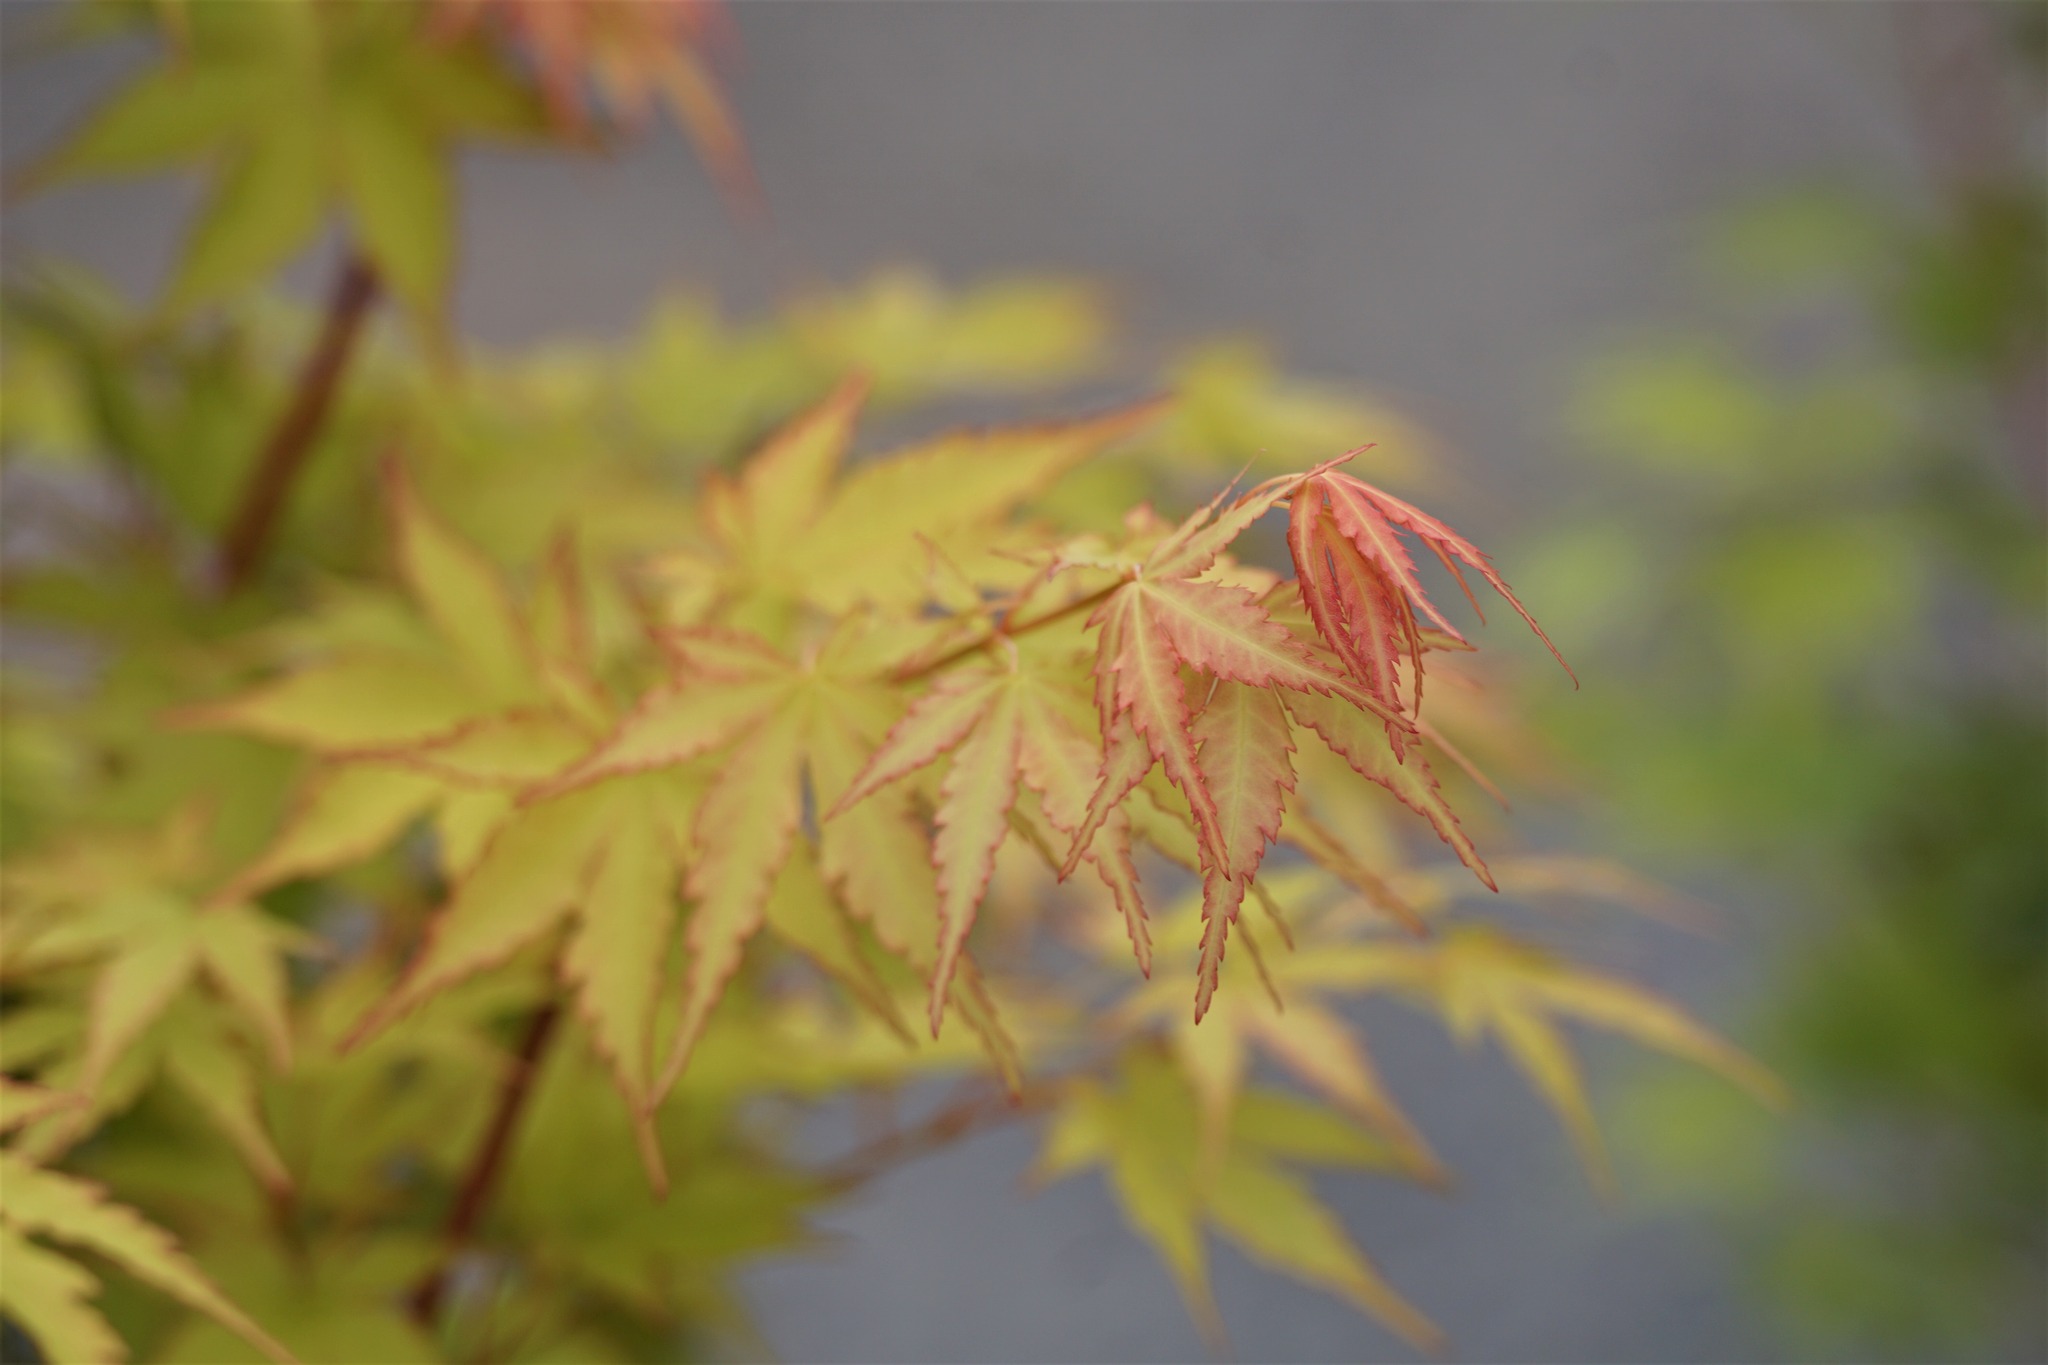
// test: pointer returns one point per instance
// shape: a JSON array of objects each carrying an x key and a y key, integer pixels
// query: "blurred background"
[{"x": 1722, "y": 325}]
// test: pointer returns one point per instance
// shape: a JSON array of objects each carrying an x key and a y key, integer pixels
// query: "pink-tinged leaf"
[
  {"x": 745, "y": 827},
  {"x": 1149, "y": 693},
  {"x": 1364, "y": 746},
  {"x": 1221, "y": 897},
  {"x": 1058, "y": 764},
  {"x": 874, "y": 854},
  {"x": 1225, "y": 630},
  {"x": 1110, "y": 621},
  {"x": 1126, "y": 761},
  {"x": 1245, "y": 744},
  {"x": 1358, "y": 613},
  {"x": 533, "y": 871},
  {"x": 1355, "y": 508},
  {"x": 1111, "y": 858},
  {"x": 672, "y": 724},
  {"x": 1196, "y": 543},
  {"x": 973, "y": 815},
  {"x": 1446, "y": 543},
  {"x": 936, "y": 722}
]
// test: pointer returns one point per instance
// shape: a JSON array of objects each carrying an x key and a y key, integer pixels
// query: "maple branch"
[
  {"x": 291, "y": 439},
  {"x": 948, "y": 1125},
  {"x": 1007, "y": 631},
  {"x": 485, "y": 1167}
]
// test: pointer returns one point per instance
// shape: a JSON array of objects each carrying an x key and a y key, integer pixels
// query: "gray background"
[{"x": 1448, "y": 203}]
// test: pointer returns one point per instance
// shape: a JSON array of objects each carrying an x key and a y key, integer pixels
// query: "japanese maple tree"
[{"x": 533, "y": 732}]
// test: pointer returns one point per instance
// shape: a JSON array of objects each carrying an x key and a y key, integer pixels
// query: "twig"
[
  {"x": 948, "y": 1125},
  {"x": 488, "y": 1163},
  {"x": 291, "y": 440},
  {"x": 1006, "y": 631}
]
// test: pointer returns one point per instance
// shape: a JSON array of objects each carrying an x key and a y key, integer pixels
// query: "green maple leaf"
[
  {"x": 1143, "y": 1130},
  {"x": 303, "y": 110}
]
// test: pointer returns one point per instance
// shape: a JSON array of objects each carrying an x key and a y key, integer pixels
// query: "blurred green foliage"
[{"x": 1807, "y": 589}]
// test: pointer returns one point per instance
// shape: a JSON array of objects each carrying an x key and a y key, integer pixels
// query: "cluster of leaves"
[{"x": 333, "y": 906}]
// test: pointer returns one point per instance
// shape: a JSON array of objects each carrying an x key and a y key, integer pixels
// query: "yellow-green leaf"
[
  {"x": 266, "y": 207},
  {"x": 397, "y": 181},
  {"x": 1275, "y": 1218},
  {"x": 528, "y": 878},
  {"x": 973, "y": 815},
  {"x": 43, "y": 1203},
  {"x": 353, "y": 704},
  {"x": 50, "y": 1298},
  {"x": 462, "y": 593},
  {"x": 619, "y": 946},
  {"x": 134, "y": 987},
  {"x": 744, "y": 830},
  {"x": 242, "y": 950},
  {"x": 342, "y": 814},
  {"x": 804, "y": 914}
]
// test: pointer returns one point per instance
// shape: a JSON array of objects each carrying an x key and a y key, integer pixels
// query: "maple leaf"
[
  {"x": 1005, "y": 729},
  {"x": 48, "y": 1295},
  {"x": 1358, "y": 581},
  {"x": 1411, "y": 780},
  {"x": 477, "y": 707},
  {"x": 876, "y": 856},
  {"x": 299, "y": 111},
  {"x": 1166, "y": 617},
  {"x": 1481, "y": 981},
  {"x": 115, "y": 905},
  {"x": 795, "y": 527},
  {"x": 635, "y": 52},
  {"x": 1284, "y": 1020},
  {"x": 1143, "y": 1130},
  {"x": 1245, "y": 745}
]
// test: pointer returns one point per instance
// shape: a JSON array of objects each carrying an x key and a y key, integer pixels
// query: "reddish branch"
[
  {"x": 291, "y": 440},
  {"x": 488, "y": 1164},
  {"x": 1006, "y": 630},
  {"x": 955, "y": 1121}
]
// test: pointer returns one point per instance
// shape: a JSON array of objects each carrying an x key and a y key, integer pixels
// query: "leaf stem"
[
  {"x": 486, "y": 1166},
  {"x": 1007, "y": 631},
  {"x": 290, "y": 441}
]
